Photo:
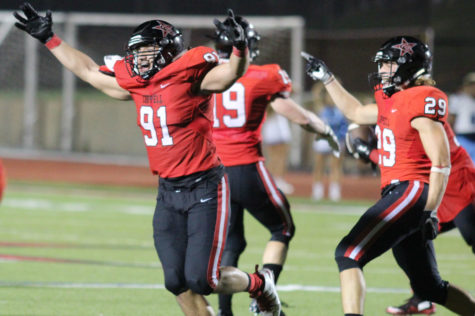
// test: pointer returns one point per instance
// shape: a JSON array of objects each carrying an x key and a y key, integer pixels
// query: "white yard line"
[
  {"x": 45, "y": 204},
  {"x": 138, "y": 286}
]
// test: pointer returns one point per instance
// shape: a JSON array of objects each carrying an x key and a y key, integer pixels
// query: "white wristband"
[{"x": 443, "y": 170}]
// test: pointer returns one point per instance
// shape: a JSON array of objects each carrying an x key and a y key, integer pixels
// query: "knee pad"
[
  {"x": 434, "y": 291},
  {"x": 174, "y": 282},
  {"x": 284, "y": 237},
  {"x": 199, "y": 285},
  {"x": 230, "y": 258},
  {"x": 235, "y": 244},
  {"x": 345, "y": 263}
]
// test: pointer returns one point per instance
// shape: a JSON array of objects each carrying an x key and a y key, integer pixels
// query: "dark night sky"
[{"x": 452, "y": 20}]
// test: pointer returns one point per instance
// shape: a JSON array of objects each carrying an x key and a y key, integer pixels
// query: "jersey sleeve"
[
  {"x": 109, "y": 62},
  {"x": 279, "y": 82},
  {"x": 428, "y": 102},
  {"x": 202, "y": 60}
]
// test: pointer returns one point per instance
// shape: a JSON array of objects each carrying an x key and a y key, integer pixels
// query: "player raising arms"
[
  {"x": 239, "y": 114},
  {"x": 172, "y": 87},
  {"x": 414, "y": 158},
  {"x": 457, "y": 208}
]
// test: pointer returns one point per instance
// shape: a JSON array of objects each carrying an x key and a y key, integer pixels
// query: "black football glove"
[
  {"x": 233, "y": 30},
  {"x": 316, "y": 69},
  {"x": 429, "y": 225},
  {"x": 362, "y": 149},
  {"x": 40, "y": 27}
]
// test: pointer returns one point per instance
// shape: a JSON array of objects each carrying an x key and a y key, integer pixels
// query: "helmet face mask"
[
  {"x": 386, "y": 74},
  {"x": 145, "y": 60},
  {"x": 224, "y": 46},
  {"x": 413, "y": 60},
  {"x": 152, "y": 46}
]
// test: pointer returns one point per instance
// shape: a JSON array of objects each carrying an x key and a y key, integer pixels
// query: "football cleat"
[
  {"x": 267, "y": 298},
  {"x": 413, "y": 306},
  {"x": 254, "y": 309}
]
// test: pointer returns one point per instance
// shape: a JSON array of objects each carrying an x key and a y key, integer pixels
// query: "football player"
[
  {"x": 172, "y": 87},
  {"x": 414, "y": 159},
  {"x": 456, "y": 209},
  {"x": 239, "y": 113}
]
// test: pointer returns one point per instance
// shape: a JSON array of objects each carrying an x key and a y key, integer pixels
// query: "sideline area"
[{"x": 353, "y": 187}]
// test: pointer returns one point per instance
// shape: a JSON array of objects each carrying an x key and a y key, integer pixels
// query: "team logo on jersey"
[
  {"x": 405, "y": 47},
  {"x": 165, "y": 28}
]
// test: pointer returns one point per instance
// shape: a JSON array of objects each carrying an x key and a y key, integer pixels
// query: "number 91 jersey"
[
  {"x": 176, "y": 122},
  {"x": 401, "y": 153},
  {"x": 240, "y": 111}
]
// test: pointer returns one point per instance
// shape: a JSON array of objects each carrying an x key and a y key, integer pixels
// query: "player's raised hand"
[
  {"x": 40, "y": 27},
  {"x": 233, "y": 30},
  {"x": 330, "y": 137},
  {"x": 316, "y": 68}
]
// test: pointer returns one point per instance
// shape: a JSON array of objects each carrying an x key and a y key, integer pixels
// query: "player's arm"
[
  {"x": 297, "y": 114},
  {"x": 222, "y": 77},
  {"x": 351, "y": 107},
  {"x": 436, "y": 145},
  {"x": 40, "y": 27},
  {"x": 86, "y": 69},
  {"x": 306, "y": 119}
]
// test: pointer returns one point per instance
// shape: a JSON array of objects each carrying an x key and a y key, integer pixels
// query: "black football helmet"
[
  {"x": 224, "y": 46},
  {"x": 165, "y": 42},
  {"x": 413, "y": 58}
]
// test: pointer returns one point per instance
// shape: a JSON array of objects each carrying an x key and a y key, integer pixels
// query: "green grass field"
[{"x": 81, "y": 250}]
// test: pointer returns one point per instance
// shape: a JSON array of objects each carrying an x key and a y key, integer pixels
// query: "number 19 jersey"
[
  {"x": 240, "y": 111},
  {"x": 401, "y": 153}
]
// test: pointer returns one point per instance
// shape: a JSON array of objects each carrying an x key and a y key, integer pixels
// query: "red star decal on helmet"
[
  {"x": 165, "y": 28},
  {"x": 405, "y": 47}
]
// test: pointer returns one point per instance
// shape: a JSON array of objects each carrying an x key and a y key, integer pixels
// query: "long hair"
[{"x": 424, "y": 81}]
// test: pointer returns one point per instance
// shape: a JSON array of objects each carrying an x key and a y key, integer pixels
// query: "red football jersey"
[
  {"x": 401, "y": 154},
  {"x": 460, "y": 190},
  {"x": 241, "y": 110},
  {"x": 175, "y": 122}
]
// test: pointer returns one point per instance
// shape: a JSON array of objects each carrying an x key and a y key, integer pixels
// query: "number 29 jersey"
[
  {"x": 401, "y": 154},
  {"x": 241, "y": 110},
  {"x": 175, "y": 122}
]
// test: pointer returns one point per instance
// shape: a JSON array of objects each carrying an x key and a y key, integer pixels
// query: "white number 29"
[{"x": 432, "y": 103}]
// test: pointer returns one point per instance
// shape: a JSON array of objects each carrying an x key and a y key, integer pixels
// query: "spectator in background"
[
  {"x": 333, "y": 117},
  {"x": 462, "y": 114},
  {"x": 276, "y": 137},
  {"x": 3, "y": 180}
]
